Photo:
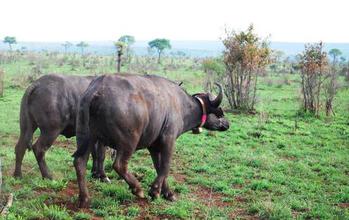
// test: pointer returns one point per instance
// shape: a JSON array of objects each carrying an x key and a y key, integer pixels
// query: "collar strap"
[{"x": 204, "y": 115}]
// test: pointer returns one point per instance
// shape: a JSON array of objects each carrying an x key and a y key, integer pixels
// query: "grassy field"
[{"x": 276, "y": 164}]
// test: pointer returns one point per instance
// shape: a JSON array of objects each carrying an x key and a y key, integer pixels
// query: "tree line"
[{"x": 122, "y": 45}]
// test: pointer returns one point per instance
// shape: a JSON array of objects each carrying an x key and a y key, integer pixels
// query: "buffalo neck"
[{"x": 192, "y": 114}]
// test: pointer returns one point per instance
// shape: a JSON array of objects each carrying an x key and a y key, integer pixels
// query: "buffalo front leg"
[
  {"x": 162, "y": 163},
  {"x": 120, "y": 166},
  {"x": 165, "y": 189}
]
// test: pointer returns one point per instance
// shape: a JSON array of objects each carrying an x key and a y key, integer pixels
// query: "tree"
[
  {"x": 331, "y": 86},
  {"x": 335, "y": 53},
  {"x": 277, "y": 58},
  {"x": 245, "y": 58},
  {"x": 82, "y": 45},
  {"x": 314, "y": 72},
  {"x": 160, "y": 45},
  {"x": 214, "y": 69},
  {"x": 10, "y": 40},
  {"x": 120, "y": 47},
  {"x": 66, "y": 46},
  {"x": 128, "y": 40}
]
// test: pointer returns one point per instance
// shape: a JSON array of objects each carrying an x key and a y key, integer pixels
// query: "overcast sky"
[{"x": 99, "y": 20}]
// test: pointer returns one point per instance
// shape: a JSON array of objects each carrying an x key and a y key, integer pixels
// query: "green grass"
[{"x": 276, "y": 164}]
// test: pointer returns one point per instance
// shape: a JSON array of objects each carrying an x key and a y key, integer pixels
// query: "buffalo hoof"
[
  {"x": 139, "y": 193},
  {"x": 49, "y": 177},
  {"x": 84, "y": 203},
  {"x": 95, "y": 175},
  {"x": 154, "y": 195},
  {"x": 105, "y": 180},
  {"x": 170, "y": 196},
  {"x": 17, "y": 175}
]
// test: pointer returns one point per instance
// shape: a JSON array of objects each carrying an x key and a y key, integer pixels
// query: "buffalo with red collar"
[{"x": 130, "y": 112}]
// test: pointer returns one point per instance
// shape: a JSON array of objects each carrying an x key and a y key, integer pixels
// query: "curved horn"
[{"x": 217, "y": 101}]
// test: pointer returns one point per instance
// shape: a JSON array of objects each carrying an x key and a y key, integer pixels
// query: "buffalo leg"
[
  {"x": 44, "y": 142},
  {"x": 80, "y": 163},
  {"x": 98, "y": 156},
  {"x": 23, "y": 143},
  {"x": 165, "y": 151},
  {"x": 120, "y": 166},
  {"x": 94, "y": 162},
  {"x": 165, "y": 190}
]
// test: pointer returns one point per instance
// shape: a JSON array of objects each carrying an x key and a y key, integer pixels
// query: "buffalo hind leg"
[
  {"x": 165, "y": 189},
  {"x": 80, "y": 163},
  {"x": 43, "y": 143},
  {"x": 163, "y": 159},
  {"x": 98, "y": 157},
  {"x": 94, "y": 162},
  {"x": 120, "y": 166},
  {"x": 22, "y": 145}
]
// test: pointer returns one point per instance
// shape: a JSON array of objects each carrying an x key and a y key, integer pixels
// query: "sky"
[{"x": 105, "y": 20}]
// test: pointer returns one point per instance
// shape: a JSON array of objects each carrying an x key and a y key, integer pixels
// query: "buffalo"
[
  {"x": 50, "y": 104},
  {"x": 129, "y": 112}
]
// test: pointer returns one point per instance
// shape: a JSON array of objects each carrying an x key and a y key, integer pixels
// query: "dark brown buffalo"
[
  {"x": 130, "y": 112},
  {"x": 50, "y": 104}
]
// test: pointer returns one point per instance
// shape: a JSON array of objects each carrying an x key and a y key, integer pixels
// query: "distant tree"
[
  {"x": 66, "y": 46},
  {"x": 343, "y": 59},
  {"x": 82, "y": 45},
  {"x": 214, "y": 69},
  {"x": 277, "y": 55},
  {"x": 313, "y": 63},
  {"x": 331, "y": 86},
  {"x": 128, "y": 40},
  {"x": 335, "y": 53},
  {"x": 245, "y": 59},
  {"x": 10, "y": 40},
  {"x": 277, "y": 58},
  {"x": 120, "y": 48},
  {"x": 160, "y": 45}
]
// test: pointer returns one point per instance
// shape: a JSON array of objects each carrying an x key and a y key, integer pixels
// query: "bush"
[
  {"x": 317, "y": 79},
  {"x": 245, "y": 58}
]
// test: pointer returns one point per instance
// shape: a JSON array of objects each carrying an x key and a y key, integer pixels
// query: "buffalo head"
[{"x": 214, "y": 114}]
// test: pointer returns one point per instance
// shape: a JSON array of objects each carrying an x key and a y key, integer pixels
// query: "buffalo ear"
[{"x": 218, "y": 100}]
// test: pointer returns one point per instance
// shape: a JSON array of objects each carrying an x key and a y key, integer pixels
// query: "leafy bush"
[{"x": 245, "y": 58}]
